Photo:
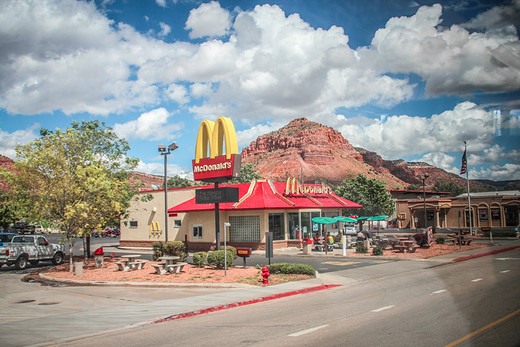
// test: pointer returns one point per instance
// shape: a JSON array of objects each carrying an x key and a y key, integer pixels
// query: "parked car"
[
  {"x": 6, "y": 237},
  {"x": 31, "y": 249},
  {"x": 23, "y": 228}
]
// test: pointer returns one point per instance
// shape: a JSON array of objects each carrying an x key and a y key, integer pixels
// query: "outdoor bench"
[
  {"x": 400, "y": 248},
  {"x": 122, "y": 265},
  {"x": 466, "y": 242},
  {"x": 137, "y": 265},
  {"x": 413, "y": 248},
  {"x": 175, "y": 268}
]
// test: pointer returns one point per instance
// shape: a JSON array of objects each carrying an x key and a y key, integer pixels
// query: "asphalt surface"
[{"x": 60, "y": 314}]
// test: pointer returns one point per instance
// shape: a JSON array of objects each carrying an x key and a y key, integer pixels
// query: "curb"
[
  {"x": 244, "y": 303},
  {"x": 484, "y": 254},
  {"x": 142, "y": 284}
]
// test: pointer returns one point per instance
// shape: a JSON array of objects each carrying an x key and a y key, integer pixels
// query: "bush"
[
  {"x": 361, "y": 249},
  {"x": 421, "y": 239},
  {"x": 440, "y": 240},
  {"x": 377, "y": 251},
  {"x": 291, "y": 269},
  {"x": 175, "y": 248},
  {"x": 504, "y": 233},
  {"x": 199, "y": 259},
  {"x": 233, "y": 250},
  {"x": 216, "y": 258}
]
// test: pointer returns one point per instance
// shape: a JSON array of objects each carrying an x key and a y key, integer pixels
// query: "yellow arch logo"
[
  {"x": 211, "y": 135},
  {"x": 155, "y": 228}
]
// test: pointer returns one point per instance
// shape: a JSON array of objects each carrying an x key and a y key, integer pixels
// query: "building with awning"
[{"x": 285, "y": 209}]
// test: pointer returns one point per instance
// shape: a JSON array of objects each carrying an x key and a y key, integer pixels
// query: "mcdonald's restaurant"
[
  {"x": 240, "y": 214},
  {"x": 283, "y": 208}
]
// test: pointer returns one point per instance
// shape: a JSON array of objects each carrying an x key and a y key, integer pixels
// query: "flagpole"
[{"x": 469, "y": 197}]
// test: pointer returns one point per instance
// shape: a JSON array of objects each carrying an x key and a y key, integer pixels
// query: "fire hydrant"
[{"x": 265, "y": 275}]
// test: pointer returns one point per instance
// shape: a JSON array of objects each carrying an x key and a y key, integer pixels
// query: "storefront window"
[
  {"x": 483, "y": 214},
  {"x": 495, "y": 213},
  {"x": 244, "y": 229},
  {"x": 276, "y": 225},
  {"x": 197, "y": 231},
  {"x": 292, "y": 220}
]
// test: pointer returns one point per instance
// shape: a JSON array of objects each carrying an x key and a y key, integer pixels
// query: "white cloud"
[
  {"x": 208, "y": 20},
  {"x": 165, "y": 29},
  {"x": 8, "y": 141},
  {"x": 177, "y": 93},
  {"x": 450, "y": 60},
  {"x": 147, "y": 125},
  {"x": 496, "y": 172},
  {"x": 161, "y": 3},
  {"x": 440, "y": 133},
  {"x": 245, "y": 137},
  {"x": 158, "y": 169}
]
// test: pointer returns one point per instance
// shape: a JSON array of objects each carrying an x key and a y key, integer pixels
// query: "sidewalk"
[{"x": 53, "y": 329}]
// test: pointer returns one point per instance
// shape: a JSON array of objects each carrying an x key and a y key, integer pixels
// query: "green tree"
[
  {"x": 448, "y": 186},
  {"x": 178, "y": 182},
  {"x": 14, "y": 204},
  {"x": 78, "y": 177},
  {"x": 371, "y": 193},
  {"x": 248, "y": 174}
]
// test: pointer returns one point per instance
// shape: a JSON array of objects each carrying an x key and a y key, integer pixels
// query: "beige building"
[{"x": 489, "y": 210}]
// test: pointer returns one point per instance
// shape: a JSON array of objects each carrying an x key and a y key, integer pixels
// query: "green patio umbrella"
[
  {"x": 377, "y": 218},
  {"x": 324, "y": 220},
  {"x": 345, "y": 219}
]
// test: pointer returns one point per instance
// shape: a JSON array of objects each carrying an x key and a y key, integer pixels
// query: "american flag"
[{"x": 464, "y": 166}]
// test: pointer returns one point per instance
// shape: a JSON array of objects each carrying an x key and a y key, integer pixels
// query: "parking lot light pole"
[
  {"x": 423, "y": 178},
  {"x": 165, "y": 152}
]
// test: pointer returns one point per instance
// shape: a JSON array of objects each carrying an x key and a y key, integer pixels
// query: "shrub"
[
  {"x": 440, "y": 240},
  {"x": 377, "y": 251},
  {"x": 199, "y": 259},
  {"x": 361, "y": 249},
  {"x": 175, "y": 248},
  {"x": 233, "y": 250},
  {"x": 157, "y": 250},
  {"x": 216, "y": 258},
  {"x": 421, "y": 239},
  {"x": 502, "y": 233},
  {"x": 291, "y": 269}
]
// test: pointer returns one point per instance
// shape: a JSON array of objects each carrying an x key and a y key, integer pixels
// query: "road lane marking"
[
  {"x": 310, "y": 330},
  {"x": 439, "y": 291},
  {"x": 383, "y": 308},
  {"x": 476, "y": 280},
  {"x": 504, "y": 271},
  {"x": 490, "y": 325}
]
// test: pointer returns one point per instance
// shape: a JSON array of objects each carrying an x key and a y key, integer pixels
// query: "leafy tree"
[
  {"x": 371, "y": 193},
  {"x": 248, "y": 174},
  {"x": 448, "y": 186},
  {"x": 78, "y": 177},
  {"x": 14, "y": 204},
  {"x": 178, "y": 182}
]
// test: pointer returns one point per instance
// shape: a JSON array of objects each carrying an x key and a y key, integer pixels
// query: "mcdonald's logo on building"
[
  {"x": 210, "y": 163},
  {"x": 155, "y": 229}
]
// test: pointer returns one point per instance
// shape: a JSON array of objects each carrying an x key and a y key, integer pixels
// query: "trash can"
[
  {"x": 99, "y": 258},
  {"x": 307, "y": 246}
]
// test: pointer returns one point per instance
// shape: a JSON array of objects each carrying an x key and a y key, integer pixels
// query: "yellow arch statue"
[{"x": 211, "y": 134}]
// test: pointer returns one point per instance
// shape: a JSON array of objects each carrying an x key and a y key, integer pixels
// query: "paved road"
[{"x": 473, "y": 303}]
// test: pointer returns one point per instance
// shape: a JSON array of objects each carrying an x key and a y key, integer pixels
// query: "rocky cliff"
[{"x": 315, "y": 151}]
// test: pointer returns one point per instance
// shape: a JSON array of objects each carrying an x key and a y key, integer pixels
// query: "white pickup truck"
[{"x": 30, "y": 248}]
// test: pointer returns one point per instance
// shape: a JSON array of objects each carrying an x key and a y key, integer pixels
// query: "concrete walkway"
[{"x": 79, "y": 323}]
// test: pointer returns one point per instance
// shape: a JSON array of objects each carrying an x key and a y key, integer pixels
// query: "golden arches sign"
[
  {"x": 210, "y": 163},
  {"x": 155, "y": 228}
]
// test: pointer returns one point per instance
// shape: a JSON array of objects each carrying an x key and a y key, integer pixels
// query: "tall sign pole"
[{"x": 214, "y": 166}]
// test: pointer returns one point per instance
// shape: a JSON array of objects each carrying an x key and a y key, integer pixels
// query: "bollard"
[{"x": 79, "y": 268}]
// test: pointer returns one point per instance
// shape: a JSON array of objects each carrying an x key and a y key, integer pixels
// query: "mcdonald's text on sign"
[{"x": 210, "y": 163}]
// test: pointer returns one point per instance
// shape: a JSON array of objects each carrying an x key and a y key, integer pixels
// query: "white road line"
[
  {"x": 439, "y": 291},
  {"x": 504, "y": 271},
  {"x": 310, "y": 330},
  {"x": 383, "y": 308},
  {"x": 476, "y": 280}
]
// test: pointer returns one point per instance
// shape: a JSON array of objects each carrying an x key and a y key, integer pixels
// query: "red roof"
[{"x": 265, "y": 195}]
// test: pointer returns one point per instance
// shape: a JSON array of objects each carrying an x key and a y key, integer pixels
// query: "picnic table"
[
  {"x": 459, "y": 240},
  {"x": 168, "y": 264},
  {"x": 406, "y": 245},
  {"x": 130, "y": 262}
]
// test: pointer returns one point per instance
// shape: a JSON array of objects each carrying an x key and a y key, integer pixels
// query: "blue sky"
[{"x": 409, "y": 80}]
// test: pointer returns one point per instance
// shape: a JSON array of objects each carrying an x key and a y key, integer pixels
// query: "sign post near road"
[{"x": 212, "y": 165}]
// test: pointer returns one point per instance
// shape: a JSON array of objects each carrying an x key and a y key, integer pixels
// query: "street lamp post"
[
  {"x": 423, "y": 178},
  {"x": 165, "y": 151}
]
